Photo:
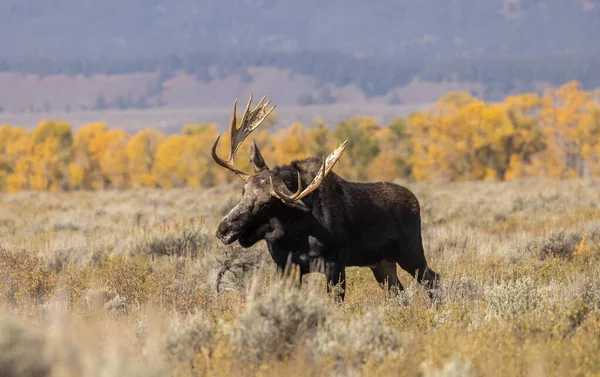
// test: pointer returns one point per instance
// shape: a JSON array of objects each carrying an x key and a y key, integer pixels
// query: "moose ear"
[{"x": 256, "y": 159}]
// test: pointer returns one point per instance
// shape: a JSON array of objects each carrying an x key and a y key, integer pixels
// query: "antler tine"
[
  {"x": 326, "y": 167},
  {"x": 232, "y": 129},
  {"x": 246, "y": 110},
  {"x": 283, "y": 196},
  {"x": 229, "y": 163},
  {"x": 251, "y": 119}
]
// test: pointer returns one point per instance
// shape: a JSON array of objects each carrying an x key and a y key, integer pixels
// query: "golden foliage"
[
  {"x": 572, "y": 122},
  {"x": 141, "y": 152},
  {"x": 474, "y": 141},
  {"x": 459, "y": 138}
]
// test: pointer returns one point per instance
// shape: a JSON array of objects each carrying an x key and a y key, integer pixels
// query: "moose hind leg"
[
  {"x": 427, "y": 277},
  {"x": 415, "y": 263},
  {"x": 385, "y": 273}
]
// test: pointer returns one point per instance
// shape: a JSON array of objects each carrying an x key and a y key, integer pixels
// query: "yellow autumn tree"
[
  {"x": 114, "y": 160},
  {"x": 363, "y": 146},
  {"x": 196, "y": 160},
  {"x": 383, "y": 166},
  {"x": 391, "y": 162},
  {"x": 21, "y": 177},
  {"x": 291, "y": 144},
  {"x": 525, "y": 142},
  {"x": 459, "y": 138},
  {"x": 439, "y": 153},
  {"x": 464, "y": 138},
  {"x": 513, "y": 137},
  {"x": 84, "y": 168},
  {"x": 141, "y": 154},
  {"x": 168, "y": 167},
  {"x": 15, "y": 144},
  {"x": 51, "y": 152},
  {"x": 18, "y": 145},
  {"x": 100, "y": 157},
  {"x": 185, "y": 160},
  {"x": 571, "y": 118},
  {"x": 318, "y": 139},
  {"x": 45, "y": 166}
]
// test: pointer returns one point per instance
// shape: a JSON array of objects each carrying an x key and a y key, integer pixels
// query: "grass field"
[{"x": 125, "y": 284}]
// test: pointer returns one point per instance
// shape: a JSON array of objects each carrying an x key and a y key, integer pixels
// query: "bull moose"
[{"x": 314, "y": 219}]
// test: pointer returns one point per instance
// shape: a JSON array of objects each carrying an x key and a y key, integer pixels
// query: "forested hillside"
[
  {"x": 303, "y": 78},
  {"x": 431, "y": 28},
  {"x": 68, "y": 55}
]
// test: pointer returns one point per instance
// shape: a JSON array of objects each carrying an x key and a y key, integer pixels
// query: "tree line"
[
  {"x": 374, "y": 76},
  {"x": 460, "y": 138}
]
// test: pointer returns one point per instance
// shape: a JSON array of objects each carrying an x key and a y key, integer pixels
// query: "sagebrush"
[{"x": 134, "y": 283}]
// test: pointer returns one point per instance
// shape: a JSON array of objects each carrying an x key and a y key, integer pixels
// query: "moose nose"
[
  {"x": 222, "y": 232},
  {"x": 219, "y": 234}
]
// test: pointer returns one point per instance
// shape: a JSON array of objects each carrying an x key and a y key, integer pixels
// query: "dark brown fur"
[{"x": 341, "y": 224}]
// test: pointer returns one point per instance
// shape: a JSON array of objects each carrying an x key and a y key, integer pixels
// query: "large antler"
[
  {"x": 250, "y": 120},
  {"x": 316, "y": 182}
]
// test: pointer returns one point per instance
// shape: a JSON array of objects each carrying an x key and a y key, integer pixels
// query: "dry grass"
[{"x": 134, "y": 283}]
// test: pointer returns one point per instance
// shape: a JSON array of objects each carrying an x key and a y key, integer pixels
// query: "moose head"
[{"x": 269, "y": 197}]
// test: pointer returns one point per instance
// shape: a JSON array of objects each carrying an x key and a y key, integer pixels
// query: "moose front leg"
[{"x": 335, "y": 273}]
